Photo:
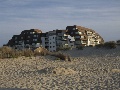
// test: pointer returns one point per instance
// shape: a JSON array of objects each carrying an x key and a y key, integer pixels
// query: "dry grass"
[
  {"x": 8, "y": 52},
  {"x": 41, "y": 51}
]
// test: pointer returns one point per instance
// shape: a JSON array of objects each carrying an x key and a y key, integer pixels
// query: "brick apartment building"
[{"x": 73, "y": 36}]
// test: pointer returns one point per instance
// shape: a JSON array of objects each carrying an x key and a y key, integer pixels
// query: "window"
[
  {"x": 77, "y": 41},
  {"x": 34, "y": 39},
  {"x": 53, "y": 37},
  {"x": 77, "y": 36},
  {"x": 53, "y": 46},
  {"x": 15, "y": 38},
  {"x": 73, "y": 28},
  {"x": 50, "y": 42},
  {"x": 76, "y": 33},
  {"x": 33, "y": 43},
  {"x": 50, "y": 46},
  {"x": 32, "y": 32},
  {"x": 35, "y": 35},
  {"x": 28, "y": 36},
  {"x": 27, "y": 40}
]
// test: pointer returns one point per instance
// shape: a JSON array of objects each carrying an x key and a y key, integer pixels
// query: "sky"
[{"x": 103, "y": 16}]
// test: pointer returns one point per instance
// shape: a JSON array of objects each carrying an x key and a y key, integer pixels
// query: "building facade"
[
  {"x": 27, "y": 39},
  {"x": 55, "y": 39},
  {"x": 84, "y": 36},
  {"x": 72, "y": 36}
]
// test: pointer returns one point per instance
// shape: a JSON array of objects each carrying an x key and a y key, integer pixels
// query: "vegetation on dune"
[
  {"x": 80, "y": 47},
  {"x": 8, "y": 52},
  {"x": 108, "y": 45},
  {"x": 64, "y": 48}
]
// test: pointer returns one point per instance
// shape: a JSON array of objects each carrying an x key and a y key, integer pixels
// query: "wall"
[{"x": 52, "y": 43}]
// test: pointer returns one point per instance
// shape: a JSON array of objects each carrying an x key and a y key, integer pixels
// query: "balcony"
[
  {"x": 83, "y": 42},
  {"x": 65, "y": 35}
]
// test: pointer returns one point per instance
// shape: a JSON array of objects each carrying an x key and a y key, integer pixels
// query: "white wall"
[
  {"x": 52, "y": 43},
  {"x": 72, "y": 38}
]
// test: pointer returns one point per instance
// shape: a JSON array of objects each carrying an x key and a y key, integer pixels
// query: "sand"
[{"x": 90, "y": 69}]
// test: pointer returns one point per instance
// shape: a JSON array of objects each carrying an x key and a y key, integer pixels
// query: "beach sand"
[{"x": 90, "y": 69}]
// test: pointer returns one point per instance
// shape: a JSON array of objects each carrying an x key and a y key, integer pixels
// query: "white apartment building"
[{"x": 55, "y": 39}]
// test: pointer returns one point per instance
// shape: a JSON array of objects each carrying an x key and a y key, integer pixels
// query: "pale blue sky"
[{"x": 103, "y": 16}]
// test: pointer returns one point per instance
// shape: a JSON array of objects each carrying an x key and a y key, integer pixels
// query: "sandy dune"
[{"x": 90, "y": 69}]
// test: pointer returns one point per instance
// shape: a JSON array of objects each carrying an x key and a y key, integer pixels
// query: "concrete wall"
[{"x": 52, "y": 43}]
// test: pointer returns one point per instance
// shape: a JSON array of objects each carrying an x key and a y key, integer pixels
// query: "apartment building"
[
  {"x": 84, "y": 36},
  {"x": 73, "y": 36},
  {"x": 27, "y": 39},
  {"x": 55, "y": 39}
]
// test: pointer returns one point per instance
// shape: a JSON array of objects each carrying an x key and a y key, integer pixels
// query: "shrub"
[
  {"x": 110, "y": 44},
  {"x": 99, "y": 45},
  {"x": 41, "y": 51},
  {"x": 90, "y": 45},
  {"x": 64, "y": 48},
  {"x": 5, "y": 51},
  {"x": 27, "y": 53},
  {"x": 15, "y": 54},
  {"x": 80, "y": 47}
]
